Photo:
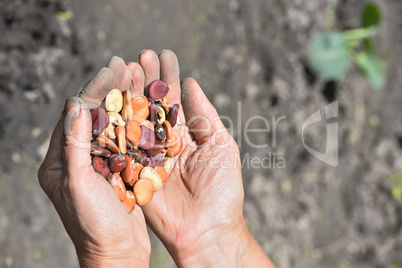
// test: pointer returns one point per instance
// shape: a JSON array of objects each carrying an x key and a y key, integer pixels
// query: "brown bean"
[
  {"x": 121, "y": 139},
  {"x": 143, "y": 191},
  {"x": 100, "y": 166},
  {"x": 134, "y": 153},
  {"x": 129, "y": 202},
  {"x": 158, "y": 89},
  {"x": 172, "y": 115},
  {"x": 118, "y": 185},
  {"x": 100, "y": 120},
  {"x": 117, "y": 162},
  {"x": 147, "y": 140},
  {"x": 107, "y": 143},
  {"x": 160, "y": 132},
  {"x": 99, "y": 151},
  {"x": 159, "y": 147}
]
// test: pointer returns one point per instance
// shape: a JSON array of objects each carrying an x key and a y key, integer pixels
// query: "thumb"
[{"x": 77, "y": 136}]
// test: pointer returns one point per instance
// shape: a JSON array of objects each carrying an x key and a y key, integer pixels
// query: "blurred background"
[{"x": 278, "y": 58}]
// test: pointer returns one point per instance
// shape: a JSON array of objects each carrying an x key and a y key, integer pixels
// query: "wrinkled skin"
[
  {"x": 103, "y": 233},
  {"x": 201, "y": 204}
]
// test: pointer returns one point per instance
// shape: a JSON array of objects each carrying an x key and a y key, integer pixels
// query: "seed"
[
  {"x": 160, "y": 133},
  {"x": 148, "y": 124},
  {"x": 116, "y": 162},
  {"x": 100, "y": 120},
  {"x": 107, "y": 143},
  {"x": 158, "y": 89},
  {"x": 133, "y": 132},
  {"x": 162, "y": 173},
  {"x": 150, "y": 173},
  {"x": 130, "y": 173},
  {"x": 129, "y": 202},
  {"x": 177, "y": 147},
  {"x": 147, "y": 140},
  {"x": 99, "y": 151},
  {"x": 127, "y": 112},
  {"x": 161, "y": 115},
  {"x": 159, "y": 147},
  {"x": 169, "y": 134},
  {"x": 143, "y": 191},
  {"x": 121, "y": 139},
  {"x": 109, "y": 132},
  {"x": 156, "y": 160},
  {"x": 164, "y": 103},
  {"x": 118, "y": 185},
  {"x": 153, "y": 112},
  {"x": 172, "y": 115},
  {"x": 100, "y": 166},
  {"x": 134, "y": 154},
  {"x": 143, "y": 160},
  {"x": 114, "y": 101},
  {"x": 140, "y": 107}
]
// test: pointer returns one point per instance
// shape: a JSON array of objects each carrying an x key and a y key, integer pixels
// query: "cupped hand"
[
  {"x": 198, "y": 213},
  {"x": 103, "y": 233}
]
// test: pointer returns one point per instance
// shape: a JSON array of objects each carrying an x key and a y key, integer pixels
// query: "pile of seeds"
[{"x": 133, "y": 142}]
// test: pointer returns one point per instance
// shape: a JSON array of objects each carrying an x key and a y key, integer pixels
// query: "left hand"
[{"x": 99, "y": 226}]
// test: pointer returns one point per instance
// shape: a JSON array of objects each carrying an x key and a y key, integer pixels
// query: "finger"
[
  {"x": 118, "y": 67},
  {"x": 97, "y": 88},
  {"x": 201, "y": 116},
  {"x": 125, "y": 84},
  {"x": 52, "y": 160},
  {"x": 76, "y": 141},
  {"x": 54, "y": 152},
  {"x": 149, "y": 62},
  {"x": 170, "y": 72},
  {"x": 137, "y": 79}
]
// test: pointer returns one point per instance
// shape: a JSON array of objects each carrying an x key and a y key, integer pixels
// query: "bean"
[
  {"x": 143, "y": 191},
  {"x": 158, "y": 89},
  {"x": 147, "y": 140},
  {"x": 100, "y": 166},
  {"x": 99, "y": 151},
  {"x": 116, "y": 162},
  {"x": 172, "y": 115},
  {"x": 100, "y": 120}
]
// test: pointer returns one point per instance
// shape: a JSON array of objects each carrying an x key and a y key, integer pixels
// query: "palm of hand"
[{"x": 204, "y": 190}]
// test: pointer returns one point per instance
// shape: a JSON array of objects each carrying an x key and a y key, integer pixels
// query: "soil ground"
[{"x": 253, "y": 52}]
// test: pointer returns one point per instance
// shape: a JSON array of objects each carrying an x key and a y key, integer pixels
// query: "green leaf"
[
  {"x": 371, "y": 15},
  {"x": 368, "y": 45},
  {"x": 328, "y": 55},
  {"x": 372, "y": 68},
  {"x": 65, "y": 15}
]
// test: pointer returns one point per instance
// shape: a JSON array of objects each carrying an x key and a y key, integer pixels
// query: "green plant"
[
  {"x": 396, "y": 185},
  {"x": 332, "y": 51}
]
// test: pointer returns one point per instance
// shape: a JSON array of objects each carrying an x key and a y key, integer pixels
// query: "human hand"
[
  {"x": 198, "y": 214},
  {"x": 103, "y": 233}
]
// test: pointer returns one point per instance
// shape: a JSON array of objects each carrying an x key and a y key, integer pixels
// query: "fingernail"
[
  {"x": 143, "y": 51},
  {"x": 161, "y": 52}
]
